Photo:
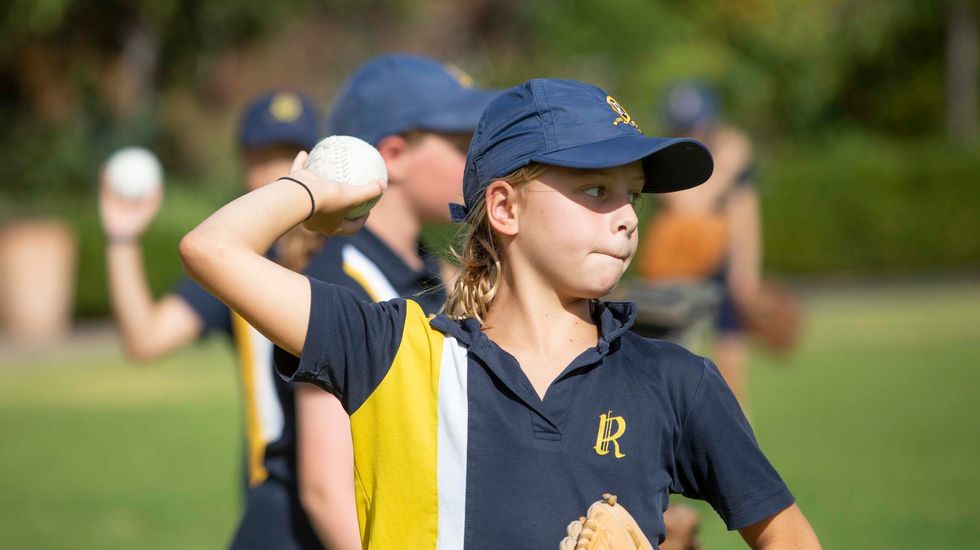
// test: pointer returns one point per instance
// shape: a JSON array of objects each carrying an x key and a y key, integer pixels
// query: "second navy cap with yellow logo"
[
  {"x": 279, "y": 118},
  {"x": 397, "y": 93},
  {"x": 575, "y": 125}
]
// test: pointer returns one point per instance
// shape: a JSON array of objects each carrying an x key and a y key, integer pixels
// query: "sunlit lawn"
[
  {"x": 872, "y": 424},
  {"x": 100, "y": 454}
]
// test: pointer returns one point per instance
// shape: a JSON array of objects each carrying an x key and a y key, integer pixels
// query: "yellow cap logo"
[
  {"x": 622, "y": 116},
  {"x": 464, "y": 79},
  {"x": 286, "y": 107}
]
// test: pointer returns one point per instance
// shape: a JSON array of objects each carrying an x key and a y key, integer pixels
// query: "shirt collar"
[{"x": 612, "y": 318}]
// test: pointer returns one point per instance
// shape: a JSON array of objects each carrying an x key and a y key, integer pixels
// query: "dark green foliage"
[
  {"x": 844, "y": 99},
  {"x": 872, "y": 206}
]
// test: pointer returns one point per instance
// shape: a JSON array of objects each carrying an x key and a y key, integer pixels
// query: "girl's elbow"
[
  {"x": 140, "y": 353},
  {"x": 333, "y": 515},
  {"x": 195, "y": 249},
  {"x": 786, "y": 529},
  {"x": 146, "y": 348},
  {"x": 312, "y": 496}
]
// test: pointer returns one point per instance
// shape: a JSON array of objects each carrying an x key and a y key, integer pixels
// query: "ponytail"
[{"x": 479, "y": 256}]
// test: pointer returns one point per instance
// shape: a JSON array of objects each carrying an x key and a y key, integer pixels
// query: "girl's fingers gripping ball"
[
  {"x": 351, "y": 161},
  {"x": 300, "y": 161}
]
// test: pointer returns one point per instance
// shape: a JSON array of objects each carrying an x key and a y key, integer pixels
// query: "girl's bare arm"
[
  {"x": 225, "y": 253},
  {"x": 325, "y": 460}
]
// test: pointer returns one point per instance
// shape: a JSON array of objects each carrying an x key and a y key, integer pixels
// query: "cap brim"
[
  {"x": 460, "y": 114},
  {"x": 668, "y": 164}
]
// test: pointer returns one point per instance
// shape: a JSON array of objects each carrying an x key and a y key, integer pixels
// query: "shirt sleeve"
[
  {"x": 718, "y": 459},
  {"x": 213, "y": 313},
  {"x": 350, "y": 343}
]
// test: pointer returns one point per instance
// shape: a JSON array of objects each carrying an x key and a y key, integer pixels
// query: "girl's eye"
[
  {"x": 636, "y": 199},
  {"x": 596, "y": 191}
]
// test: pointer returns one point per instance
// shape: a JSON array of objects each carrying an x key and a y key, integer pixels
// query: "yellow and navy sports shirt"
[{"x": 453, "y": 448}]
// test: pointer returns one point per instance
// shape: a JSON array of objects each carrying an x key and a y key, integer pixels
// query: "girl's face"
[{"x": 578, "y": 227}]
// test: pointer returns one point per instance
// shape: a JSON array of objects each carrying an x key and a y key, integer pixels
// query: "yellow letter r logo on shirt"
[{"x": 610, "y": 429}]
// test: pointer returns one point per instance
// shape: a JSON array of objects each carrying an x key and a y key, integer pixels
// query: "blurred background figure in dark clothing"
[{"x": 711, "y": 233}]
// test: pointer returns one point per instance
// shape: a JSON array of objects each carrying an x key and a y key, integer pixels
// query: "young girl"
[{"x": 500, "y": 421}]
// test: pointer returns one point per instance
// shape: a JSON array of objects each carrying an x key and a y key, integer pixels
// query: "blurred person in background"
[
  {"x": 704, "y": 244},
  {"x": 273, "y": 129},
  {"x": 420, "y": 115},
  {"x": 711, "y": 233}
]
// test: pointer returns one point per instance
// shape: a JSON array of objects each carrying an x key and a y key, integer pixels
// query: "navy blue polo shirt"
[{"x": 454, "y": 448}]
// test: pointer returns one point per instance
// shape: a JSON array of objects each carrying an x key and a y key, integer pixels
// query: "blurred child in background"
[
  {"x": 420, "y": 114},
  {"x": 273, "y": 129},
  {"x": 711, "y": 232}
]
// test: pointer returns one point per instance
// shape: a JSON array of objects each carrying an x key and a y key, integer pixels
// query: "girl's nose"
[{"x": 626, "y": 219}]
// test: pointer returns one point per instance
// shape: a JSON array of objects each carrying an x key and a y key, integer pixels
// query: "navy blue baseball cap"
[
  {"x": 279, "y": 118},
  {"x": 397, "y": 93},
  {"x": 575, "y": 125}
]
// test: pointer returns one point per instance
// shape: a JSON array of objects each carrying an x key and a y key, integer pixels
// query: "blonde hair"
[{"x": 479, "y": 255}]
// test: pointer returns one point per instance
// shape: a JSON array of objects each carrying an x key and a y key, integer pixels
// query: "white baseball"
[
  {"x": 134, "y": 172},
  {"x": 348, "y": 160}
]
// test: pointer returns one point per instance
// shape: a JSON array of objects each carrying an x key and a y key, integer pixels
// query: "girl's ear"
[
  {"x": 503, "y": 209},
  {"x": 393, "y": 149}
]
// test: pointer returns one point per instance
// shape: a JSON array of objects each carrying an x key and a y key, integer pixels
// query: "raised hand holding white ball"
[
  {"x": 133, "y": 173},
  {"x": 351, "y": 161}
]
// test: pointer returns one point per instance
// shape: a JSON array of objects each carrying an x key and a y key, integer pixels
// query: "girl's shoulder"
[
  {"x": 659, "y": 360},
  {"x": 659, "y": 350},
  {"x": 662, "y": 363}
]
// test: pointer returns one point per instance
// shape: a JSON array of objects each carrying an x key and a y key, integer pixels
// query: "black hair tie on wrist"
[{"x": 310, "y": 193}]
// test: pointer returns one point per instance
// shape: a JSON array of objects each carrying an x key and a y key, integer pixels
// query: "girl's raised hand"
[{"x": 333, "y": 200}]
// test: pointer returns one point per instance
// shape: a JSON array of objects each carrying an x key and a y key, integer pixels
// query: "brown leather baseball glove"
[
  {"x": 775, "y": 317},
  {"x": 607, "y": 526}
]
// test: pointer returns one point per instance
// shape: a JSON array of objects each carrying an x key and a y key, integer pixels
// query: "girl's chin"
[{"x": 599, "y": 289}]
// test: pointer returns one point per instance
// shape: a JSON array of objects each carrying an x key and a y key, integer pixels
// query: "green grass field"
[{"x": 873, "y": 424}]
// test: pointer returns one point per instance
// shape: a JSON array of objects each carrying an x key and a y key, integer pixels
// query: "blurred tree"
[
  {"x": 74, "y": 70},
  {"x": 81, "y": 77},
  {"x": 785, "y": 67},
  {"x": 78, "y": 79},
  {"x": 961, "y": 72}
]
